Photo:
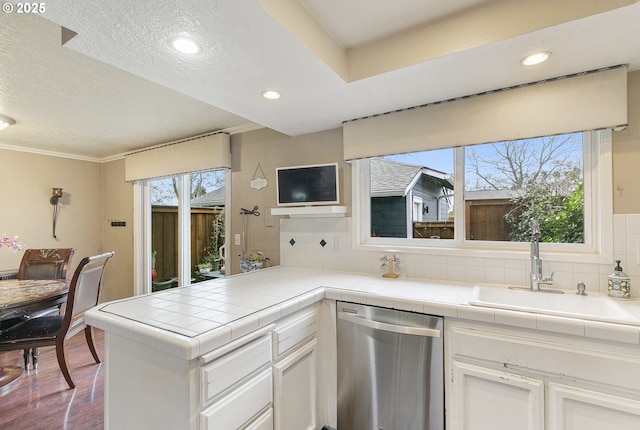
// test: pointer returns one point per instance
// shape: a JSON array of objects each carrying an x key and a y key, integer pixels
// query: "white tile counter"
[{"x": 190, "y": 321}]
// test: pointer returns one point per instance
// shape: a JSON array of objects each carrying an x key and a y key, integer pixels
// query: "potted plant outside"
[
  {"x": 204, "y": 267},
  {"x": 154, "y": 274}
]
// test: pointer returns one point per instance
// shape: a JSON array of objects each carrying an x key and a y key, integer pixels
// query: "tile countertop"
[{"x": 193, "y": 320}]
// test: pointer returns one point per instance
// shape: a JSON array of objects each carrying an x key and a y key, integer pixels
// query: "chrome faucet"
[{"x": 536, "y": 263}]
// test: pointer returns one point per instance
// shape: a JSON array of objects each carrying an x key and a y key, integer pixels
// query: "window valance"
[
  {"x": 200, "y": 153},
  {"x": 585, "y": 101}
]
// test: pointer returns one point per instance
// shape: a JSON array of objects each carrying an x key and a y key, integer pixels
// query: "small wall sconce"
[{"x": 56, "y": 193}]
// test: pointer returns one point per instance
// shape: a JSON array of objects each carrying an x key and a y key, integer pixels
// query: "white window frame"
[
  {"x": 142, "y": 231},
  {"x": 598, "y": 201}
]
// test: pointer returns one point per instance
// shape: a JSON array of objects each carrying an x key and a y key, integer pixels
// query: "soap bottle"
[{"x": 619, "y": 284}]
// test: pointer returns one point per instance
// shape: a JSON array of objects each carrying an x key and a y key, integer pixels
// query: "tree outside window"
[{"x": 539, "y": 179}]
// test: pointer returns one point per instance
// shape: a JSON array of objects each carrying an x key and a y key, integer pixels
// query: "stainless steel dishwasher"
[{"x": 390, "y": 369}]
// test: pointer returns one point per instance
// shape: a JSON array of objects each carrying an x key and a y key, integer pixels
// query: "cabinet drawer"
[
  {"x": 562, "y": 358},
  {"x": 222, "y": 373},
  {"x": 234, "y": 410},
  {"x": 263, "y": 422},
  {"x": 293, "y": 332}
]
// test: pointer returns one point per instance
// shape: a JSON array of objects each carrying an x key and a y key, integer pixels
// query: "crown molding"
[
  {"x": 50, "y": 153},
  {"x": 244, "y": 128}
]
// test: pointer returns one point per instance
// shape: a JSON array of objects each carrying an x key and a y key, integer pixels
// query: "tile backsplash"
[{"x": 326, "y": 243}]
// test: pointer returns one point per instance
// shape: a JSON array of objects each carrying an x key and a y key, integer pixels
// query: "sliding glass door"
[{"x": 180, "y": 229}]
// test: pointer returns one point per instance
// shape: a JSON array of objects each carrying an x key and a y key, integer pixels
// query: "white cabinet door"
[
  {"x": 295, "y": 390},
  {"x": 572, "y": 408},
  {"x": 489, "y": 399}
]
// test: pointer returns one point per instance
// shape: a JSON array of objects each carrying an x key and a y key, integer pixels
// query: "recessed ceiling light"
[
  {"x": 5, "y": 121},
  {"x": 185, "y": 44},
  {"x": 535, "y": 58},
  {"x": 271, "y": 94}
]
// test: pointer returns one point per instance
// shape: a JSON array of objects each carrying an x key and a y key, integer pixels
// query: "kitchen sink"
[{"x": 593, "y": 306}]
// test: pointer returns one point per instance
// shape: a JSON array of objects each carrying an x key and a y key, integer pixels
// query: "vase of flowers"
[{"x": 254, "y": 261}]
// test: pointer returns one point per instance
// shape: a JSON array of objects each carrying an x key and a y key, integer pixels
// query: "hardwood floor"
[{"x": 41, "y": 399}]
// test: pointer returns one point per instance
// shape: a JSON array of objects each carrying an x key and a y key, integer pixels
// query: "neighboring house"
[
  {"x": 404, "y": 194},
  {"x": 215, "y": 198}
]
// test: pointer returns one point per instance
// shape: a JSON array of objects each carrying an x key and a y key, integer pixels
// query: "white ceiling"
[
  {"x": 117, "y": 87},
  {"x": 356, "y": 22}
]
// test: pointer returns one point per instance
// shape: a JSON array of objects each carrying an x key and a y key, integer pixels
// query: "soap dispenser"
[{"x": 619, "y": 284}]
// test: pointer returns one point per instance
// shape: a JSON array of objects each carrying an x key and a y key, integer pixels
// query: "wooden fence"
[
  {"x": 484, "y": 221},
  {"x": 164, "y": 236},
  {"x": 433, "y": 230}
]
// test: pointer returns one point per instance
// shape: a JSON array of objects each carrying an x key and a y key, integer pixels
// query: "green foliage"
[
  {"x": 567, "y": 225},
  {"x": 556, "y": 202},
  {"x": 216, "y": 239}
]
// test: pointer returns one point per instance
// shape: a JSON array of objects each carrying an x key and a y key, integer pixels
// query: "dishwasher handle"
[{"x": 393, "y": 328}]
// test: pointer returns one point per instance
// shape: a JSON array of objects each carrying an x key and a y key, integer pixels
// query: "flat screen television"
[{"x": 308, "y": 185}]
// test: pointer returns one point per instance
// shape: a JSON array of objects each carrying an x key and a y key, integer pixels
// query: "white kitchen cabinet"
[
  {"x": 293, "y": 330},
  {"x": 223, "y": 373},
  {"x": 237, "y": 409},
  {"x": 295, "y": 371},
  {"x": 237, "y": 384},
  {"x": 501, "y": 378},
  {"x": 572, "y": 408},
  {"x": 295, "y": 389},
  {"x": 263, "y": 422},
  {"x": 488, "y": 399},
  {"x": 284, "y": 393}
]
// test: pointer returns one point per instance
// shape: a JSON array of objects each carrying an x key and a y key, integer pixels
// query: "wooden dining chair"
[
  {"x": 53, "y": 330},
  {"x": 50, "y": 263},
  {"x": 46, "y": 263}
]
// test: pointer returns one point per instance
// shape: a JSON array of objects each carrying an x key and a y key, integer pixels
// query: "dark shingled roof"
[
  {"x": 211, "y": 199},
  {"x": 392, "y": 178}
]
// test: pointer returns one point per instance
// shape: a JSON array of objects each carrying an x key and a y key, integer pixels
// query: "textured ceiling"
[
  {"x": 117, "y": 87},
  {"x": 66, "y": 102}
]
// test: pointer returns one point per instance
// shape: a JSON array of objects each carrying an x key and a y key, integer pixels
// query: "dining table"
[{"x": 20, "y": 298}]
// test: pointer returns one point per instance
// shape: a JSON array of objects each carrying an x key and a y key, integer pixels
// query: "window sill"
[{"x": 511, "y": 251}]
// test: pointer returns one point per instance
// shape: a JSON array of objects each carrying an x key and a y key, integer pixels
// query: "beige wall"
[
  {"x": 118, "y": 205},
  {"x": 272, "y": 149},
  {"x": 626, "y": 154},
  {"x": 25, "y": 211}
]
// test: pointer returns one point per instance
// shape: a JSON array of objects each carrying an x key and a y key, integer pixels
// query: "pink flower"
[{"x": 12, "y": 244}]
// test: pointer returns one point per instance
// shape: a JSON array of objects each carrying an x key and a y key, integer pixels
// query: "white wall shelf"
[{"x": 311, "y": 211}]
